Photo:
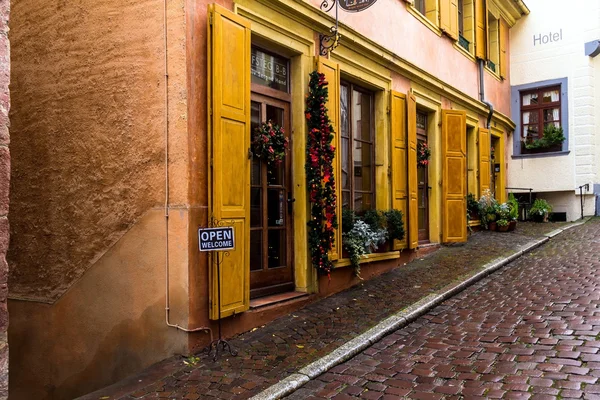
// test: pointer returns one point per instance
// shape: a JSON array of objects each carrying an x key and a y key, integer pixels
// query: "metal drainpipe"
[
  {"x": 482, "y": 96},
  {"x": 166, "y": 206}
]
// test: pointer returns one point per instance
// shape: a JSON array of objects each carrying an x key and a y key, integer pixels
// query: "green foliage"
[
  {"x": 540, "y": 208},
  {"x": 348, "y": 219},
  {"x": 488, "y": 207},
  {"x": 472, "y": 205},
  {"x": 375, "y": 219},
  {"x": 395, "y": 224},
  {"x": 552, "y": 136},
  {"x": 513, "y": 205},
  {"x": 502, "y": 222}
]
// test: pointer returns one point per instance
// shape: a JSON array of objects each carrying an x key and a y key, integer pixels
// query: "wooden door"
[
  {"x": 271, "y": 269},
  {"x": 423, "y": 183}
]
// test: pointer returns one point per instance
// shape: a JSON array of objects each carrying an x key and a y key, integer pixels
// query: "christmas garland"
[
  {"x": 319, "y": 173},
  {"x": 423, "y": 154}
]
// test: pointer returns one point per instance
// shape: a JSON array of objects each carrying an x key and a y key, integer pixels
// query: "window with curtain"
[
  {"x": 357, "y": 152},
  {"x": 539, "y": 109}
]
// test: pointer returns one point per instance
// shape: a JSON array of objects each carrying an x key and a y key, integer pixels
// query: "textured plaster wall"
[
  {"x": 406, "y": 36},
  {"x": 534, "y": 62},
  {"x": 4, "y": 188},
  {"x": 110, "y": 323},
  {"x": 87, "y": 132}
]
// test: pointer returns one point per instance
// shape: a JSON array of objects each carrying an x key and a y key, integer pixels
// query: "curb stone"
[{"x": 396, "y": 321}]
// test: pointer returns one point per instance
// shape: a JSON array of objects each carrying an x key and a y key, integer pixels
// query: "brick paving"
[
  {"x": 531, "y": 330},
  {"x": 287, "y": 344}
]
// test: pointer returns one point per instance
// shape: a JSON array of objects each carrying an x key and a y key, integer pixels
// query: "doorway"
[
  {"x": 271, "y": 197},
  {"x": 423, "y": 182}
]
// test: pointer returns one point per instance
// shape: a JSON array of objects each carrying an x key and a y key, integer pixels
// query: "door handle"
[{"x": 290, "y": 202}]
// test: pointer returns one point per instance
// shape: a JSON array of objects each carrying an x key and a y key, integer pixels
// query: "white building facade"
[{"x": 555, "y": 79}]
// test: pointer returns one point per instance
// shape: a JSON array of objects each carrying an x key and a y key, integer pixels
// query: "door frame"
[
  {"x": 284, "y": 276},
  {"x": 424, "y": 234}
]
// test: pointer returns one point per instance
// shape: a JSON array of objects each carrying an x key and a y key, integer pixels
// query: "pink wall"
[{"x": 389, "y": 24}]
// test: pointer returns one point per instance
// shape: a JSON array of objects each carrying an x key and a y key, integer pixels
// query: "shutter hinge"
[
  {"x": 210, "y": 19},
  {"x": 211, "y": 162},
  {"x": 388, "y": 111},
  {"x": 249, "y": 153}
]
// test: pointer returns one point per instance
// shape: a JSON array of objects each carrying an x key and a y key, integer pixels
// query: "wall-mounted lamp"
[{"x": 592, "y": 48}]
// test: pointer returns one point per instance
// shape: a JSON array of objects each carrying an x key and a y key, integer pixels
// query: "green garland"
[{"x": 319, "y": 174}]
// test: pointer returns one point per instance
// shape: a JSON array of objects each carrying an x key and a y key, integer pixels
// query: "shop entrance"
[
  {"x": 423, "y": 179},
  {"x": 271, "y": 269}
]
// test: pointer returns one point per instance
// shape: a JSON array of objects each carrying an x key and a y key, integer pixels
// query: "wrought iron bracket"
[{"x": 329, "y": 42}]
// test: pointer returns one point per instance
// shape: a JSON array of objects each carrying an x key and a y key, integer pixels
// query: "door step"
[{"x": 275, "y": 299}]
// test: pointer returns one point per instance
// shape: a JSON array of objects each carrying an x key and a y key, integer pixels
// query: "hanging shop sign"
[
  {"x": 216, "y": 239},
  {"x": 356, "y": 5},
  {"x": 269, "y": 70}
]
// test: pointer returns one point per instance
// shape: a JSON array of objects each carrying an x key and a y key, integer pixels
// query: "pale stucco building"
[{"x": 555, "y": 79}]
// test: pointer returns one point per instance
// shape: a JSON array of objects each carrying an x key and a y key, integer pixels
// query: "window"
[
  {"x": 494, "y": 43},
  {"x": 466, "y": 25},
  {"x": 540, "y": 108},
  {"x": 535, "y": 106},
  {"x": 357, "y": 152},
  {"x": 428, "y": 9}
]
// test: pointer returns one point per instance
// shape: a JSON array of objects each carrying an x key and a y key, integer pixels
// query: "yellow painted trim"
[
  {"x": 434, "y": 28},
  {"x": 368, "y": 258},
  {"x": 464, "y": 52},
  {"x": 498, "y": 134},
  {"x": 494, "y": 74}
]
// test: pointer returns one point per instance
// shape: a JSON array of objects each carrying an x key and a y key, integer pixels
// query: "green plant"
[
  {"x": 553, "y": 135},
  {"x": 502, "y": 222},
  {"x": 375, "y": 219},
  {"x": 540, "y": 209},
  {"x": 472, "y": 205},
  {"x": 361, "y": 240},
  {"x": 513, "y": 205},
  {"x": 348, "y": 219},
  {"x": 395, "y": 224},
  {"x": 488, "y": 207}
]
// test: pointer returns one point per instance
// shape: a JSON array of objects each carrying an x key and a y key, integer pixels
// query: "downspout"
[
  {"x": 166, "y": 206},
  {"x": 482, "y": 96}
]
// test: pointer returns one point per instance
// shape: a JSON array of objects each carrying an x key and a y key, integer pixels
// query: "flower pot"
[
  {"x": 512, "y": 226},
  {"x": 503, "y": 228},
  {"x": 492, "y": 226}
]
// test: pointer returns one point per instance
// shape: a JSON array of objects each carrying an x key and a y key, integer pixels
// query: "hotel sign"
[
  {"x": 269, "y": 70},
  {"x": 356, "y": 5}
]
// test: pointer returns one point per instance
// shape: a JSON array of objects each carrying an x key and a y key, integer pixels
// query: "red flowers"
[{"x": 269, "y": 143}]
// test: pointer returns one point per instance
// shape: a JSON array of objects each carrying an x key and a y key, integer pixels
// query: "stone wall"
[{"x": 4, "y": 185}]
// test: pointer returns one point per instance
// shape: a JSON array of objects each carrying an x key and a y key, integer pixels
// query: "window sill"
[
  {"x": 465, "y": 52},
  {"x": 493, "y": 73},
  {"x": 344, "y": 262},
  {"x": 434, "y": 28},
  {"x": 542, "y": 155}
]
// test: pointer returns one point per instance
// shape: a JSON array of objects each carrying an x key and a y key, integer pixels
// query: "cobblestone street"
[{"x": 531, "y": 330}]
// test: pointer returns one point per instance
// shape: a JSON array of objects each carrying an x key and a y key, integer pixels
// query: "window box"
[{"x": 464, "y": 43}]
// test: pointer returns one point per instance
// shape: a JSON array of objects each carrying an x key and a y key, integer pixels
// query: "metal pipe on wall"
[
  {"x": 482, "y": 95},
  {"x": 166, "y": 206}
]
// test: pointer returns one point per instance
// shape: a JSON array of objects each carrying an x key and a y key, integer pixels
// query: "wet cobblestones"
[
  {"x": 531, "y": 330},
  {"x": 287, "y": 344}
]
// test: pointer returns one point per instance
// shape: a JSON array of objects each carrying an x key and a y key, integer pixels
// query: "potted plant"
[
  {"x": 539, "y": 210},
  {"x": 513, "y": 206},
  {"x": 488, "y": 205},
  {"x": 552, "y": 139},
  {"x": 472, "y": 208},
  {"x": 502, "y": 225}
]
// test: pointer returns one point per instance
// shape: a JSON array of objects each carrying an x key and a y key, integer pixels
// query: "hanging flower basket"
[
  {"x": 269, "y": 143},
  {"x": 423, "y": 154}
]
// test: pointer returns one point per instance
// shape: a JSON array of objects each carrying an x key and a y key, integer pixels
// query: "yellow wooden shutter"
[
  {"x": 449, "y": 17},
  {"x": 454, "y": 176},
  {"x": 413, "y": 184},
  {"x": 481, "y": 36},
  {"x": 229, "y": 96},
  {"x": 484, "y": 160},
  {"x": 399, "y": 171},
  {"x": 332, "y": 75},
  {"x": 503, "y": 33}
]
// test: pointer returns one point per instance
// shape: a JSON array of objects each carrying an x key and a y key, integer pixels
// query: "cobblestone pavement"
[
  {"x": 531, "y": 330},
  {"x": 291, "y": 342}
]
